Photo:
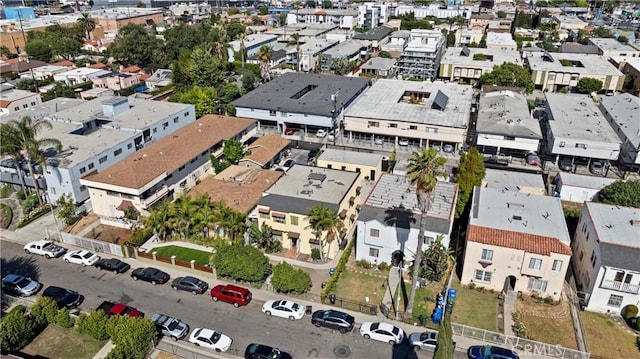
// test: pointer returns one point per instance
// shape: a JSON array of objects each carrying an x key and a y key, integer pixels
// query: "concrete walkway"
[
  {"x": 509, "y": 308},
  {"x": 102, "y": 353},
  {"x": 395, "y": 275}
]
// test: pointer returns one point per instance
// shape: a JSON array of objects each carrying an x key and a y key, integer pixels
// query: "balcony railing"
[
  {"x": 160, "y": 193},
  {"x": 619, "y": 286}
]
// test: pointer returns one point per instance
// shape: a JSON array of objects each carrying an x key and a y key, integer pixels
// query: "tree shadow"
[
  {"x": 401, "y": 218},
  {"x": 404, "y": 350},
  {"x": 22, "y": 265}
]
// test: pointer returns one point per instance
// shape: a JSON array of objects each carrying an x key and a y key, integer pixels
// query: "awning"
[
  {"x": 352, "y": 217},
  {"x": 343, "y": 214},
  {"x": 279, "y": 215},
  {"x": 293, "y": 235},
  {"x": 358, "y": 207},
  {"x": 124, "y": 205},
  {"x": 276, "y": 232},
  {"x": 314, "y": 241},
  {"x": 352, "y": 199},
  {"x": 263, "y": 210},
  {"x": 141, "y": 88},
  {"x": 358, "y": 189}
]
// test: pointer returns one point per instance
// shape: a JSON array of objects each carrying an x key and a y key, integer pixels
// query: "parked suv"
[
  {"x": 231, "y": 294},
  {"x": 170, "y": 327}
]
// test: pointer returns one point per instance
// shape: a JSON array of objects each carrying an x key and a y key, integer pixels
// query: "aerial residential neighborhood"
[{"x": 320, "y": 179}]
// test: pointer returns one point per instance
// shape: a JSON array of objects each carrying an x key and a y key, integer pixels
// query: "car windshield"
[
  {"x": 215, "y": 337},
  {"x": 295, "y": 307},
  {"x": 395, "y": 330},
  {"x": 427, "y": 335},
  {"x": 87, "y": 255},
  {"x": 172, "y": 325},
  {"x": 23, "y": 282},
  {"x": 375, "y": 326}
]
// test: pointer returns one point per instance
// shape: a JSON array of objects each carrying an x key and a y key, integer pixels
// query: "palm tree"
[
  {"x": 9, "y": 147},
  {"x": 184, "y": 212},
  {"x": 231, "y": 221},
  {"x": 263, "y": 237},
  {"x": 88, "y": 24},
  {"x": 27, "y": 140},
  {"x": 265, "y": 54},
  {"x": 204, "y": 216},
  {"x": 295, "y": 40},
  {"x": 323, "y": 219},
  {"x": 159, "y": 220},
  {"x": 424, "y": 166}
]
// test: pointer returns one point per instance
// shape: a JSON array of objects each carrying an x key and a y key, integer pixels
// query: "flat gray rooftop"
[
  {"x": 120, "y": 13},
  {"x": 519, "y": 212},
  {"x": 591, "y": 64},
  {"x": 453, "y": 55},
  {"x": 314, "y": 184},
  {"x": 578, "y": 117},
  {"x": 379, "y": 63},
  {"x": 500, "y": 179},
  {"x": 353, "y": 157},
  {"x": 583, "y": 181},
  {"x": 396, "y": 191},
  {"x": 304, "y": 93},
  {"x": 614, "y": 224},
  {"x": 15, "y": 94},
  {"x": 387, "y": 100},
  {"x": 506, "y": 112},
  {"x": 611, "y": 44},
  {"x": 347, "y": 48},
  {"x": 625, "y": 111},
  {"x": 500, "y": 38}
]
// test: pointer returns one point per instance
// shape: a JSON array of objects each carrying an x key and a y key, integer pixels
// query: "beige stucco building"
[
  {"x": 516, "y": 242},
  {"x": 285, "y": 207},
  {"x": 369, "y": 164}
]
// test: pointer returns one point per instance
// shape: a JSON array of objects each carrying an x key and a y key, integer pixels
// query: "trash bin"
[
  {"x": 331, "y": 271},
  {"x": 324, "y": 284},
  {"x": 309, "y": 310},
  {"x": 332, "y": 299}
]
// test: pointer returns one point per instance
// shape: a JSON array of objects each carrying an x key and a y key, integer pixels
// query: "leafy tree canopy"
[
  {"x": 509, "y": 74},
  {"x": 471, "y": 171},
  {"x": 240, "y": 262},
  {"x": 435, "y": 261},
  {"x": 621, "y": 193},
  {"x": 287, "y": 279},
  {"x": 134, "y": 45},
  {"x": 385, "y": 55},
  {"x": 589, "y": 85},
  {"x": 233, "y": 151}
]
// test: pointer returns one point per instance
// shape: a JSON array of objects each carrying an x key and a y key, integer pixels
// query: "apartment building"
[{"x": 421, "y": 57}]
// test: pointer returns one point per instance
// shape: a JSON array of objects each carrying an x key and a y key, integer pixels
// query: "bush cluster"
[
  {"x": 238, "y": 262},
  {"x": 342, "y": 264},
  {"x": 287, "y": 279},
  {"x": 33, "y": 215}
]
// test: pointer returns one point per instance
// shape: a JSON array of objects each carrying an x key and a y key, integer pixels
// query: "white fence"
[
  {"x": 95, "y": 245},
  {"x": 525, "y": 346}
]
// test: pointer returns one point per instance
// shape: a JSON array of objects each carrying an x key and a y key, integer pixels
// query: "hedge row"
[
  {"x": 7, "y": 215},
  {"x": 33, "y": 215},
  {"x": 342, "y": 264}
]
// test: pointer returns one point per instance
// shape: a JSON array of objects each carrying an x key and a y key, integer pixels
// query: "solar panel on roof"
[{"x": 440, "y": 102}]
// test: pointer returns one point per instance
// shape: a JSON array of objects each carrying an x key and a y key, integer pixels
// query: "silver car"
[
  {"x": 169, "y": 326},
  {"x": 20, "y": 285}
]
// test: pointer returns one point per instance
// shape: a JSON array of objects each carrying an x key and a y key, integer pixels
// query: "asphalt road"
[{"x": 244, "y": 325}]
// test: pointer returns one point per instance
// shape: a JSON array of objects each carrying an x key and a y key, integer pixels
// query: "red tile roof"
[
  {"x": 131, "y": 69},
  {"x": 530, "y": 243},
  {"x": 64, "y": 63}
]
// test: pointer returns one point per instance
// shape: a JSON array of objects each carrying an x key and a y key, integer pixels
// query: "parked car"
[
  {"x": 424, "y": 340},
  {"x": 333, "y": 319},
  {"x": 151, "y": 275},
  {"x": 45, "y": 248},
  {"x": 448, "y": 148},
  {"x": 210, "y": 339},
  {"x": 112, "y": 264},
  {"x": 17, "y": 284},
  {"x": 490, "y": 352},
  {"x": 111, "y": 308},
  {"x": 312, "y": 155},
  {"x": 321, "y": 133},
  {"x": 403, "y": 142},
  {"x": 190, "y": 284},
  {"x": 82, "y": 257},
  {"x": 383, "y": 332},
  {"x": 230, "y": 293},
  {"x": 597, "y": 167},
  {"x": 565, "y": 164},
  {"x": 284, "y": 309},
  {"x": 260, "y": 351},
  {"x": 533, "y": 159},
  {"x": 378, "y": 141},
  {"x": 289, "y": 131},
  {"x": 64, "y": 297},
  {"x": 286, "y": 166},
  {"x": 170, "y": 327}
]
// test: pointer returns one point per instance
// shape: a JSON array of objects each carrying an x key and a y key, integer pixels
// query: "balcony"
[
  {"x": 621, "y": 287},
  {"x": 153, "y": 198}
]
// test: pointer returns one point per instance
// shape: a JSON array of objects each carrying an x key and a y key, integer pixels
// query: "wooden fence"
[{"x": 176, "y": 262}]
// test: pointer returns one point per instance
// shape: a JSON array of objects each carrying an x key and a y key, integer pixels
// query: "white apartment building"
[
  {"x": 501, "y": 41},
  {"x": 13, "y": 100},
  {"x": 252, "y": 44},
  {"x": 421, "y": 57},
  {"x": 43, "y": 72},
  {"x": 623, "y": 114},
  {"x": 469, "y": 63},
  {"x": 311, "y": 53},
  {"x": 435, "y": 10},
  {"x": 372, "y": 14},
  {"x": 466, "y": 36},
  {"x": 79, "y": 75},
  {"x": 612, "y": 47},
  {"x": 343, "y": 18}
]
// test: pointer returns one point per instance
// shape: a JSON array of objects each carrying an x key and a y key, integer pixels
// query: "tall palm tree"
[
  {"x": 9, "y": 147},
  {"x": 27, "y": 138},
  {"x": 204, "y": 215},
  {"x": 323, "y": 219},
  {"x": 88, "y": 24},
  {"x": 424, "y": 166},
  {"x": 159, "y": 220},
  {"x": 265, "y": 54},
  {"x": 184, "y": 212},
  {"x": 295, "y": 40}
]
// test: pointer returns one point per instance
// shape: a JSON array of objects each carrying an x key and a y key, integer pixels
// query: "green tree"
[
  {"x": 44, "y": 311},
  {"x": 39, "y": 50},
  {"x": 265, "y": 54},
  {"x": 471, "y": 171},
  {"x": 621, "y": 193},
  {"x": 4, "y": 51},
  {"x": 87, "y": 23},
  {"x": 262, "y": 11},
  {"x": 341, "y": 66},
  {"x": 235, "y": 31},
  {"x": 287, "y": 279},
  {"x": 234, "y": 151},
  {"x": 602, "y": 32},
  {"x": 132, "y": 336},
  {"x": 94, "y": 324},
  {"x": 63, "y": 318},
  {"x": 240, "y": 262},
  {"x": 158, "y": 220},
  {"x": 262, "y": 237},
  {"x": 444, "y": 345},
  {"x": 64, "y": 42},
  {"x": 60, "y": 89},
  {"x": 233, "y": 11},
  {"x": 16, "y": 329},
  {"x": 204, "y": 99},
  {"x": 67, "y": 209},
  {"x": 182, "y": 38},
  {"x": 10, "y": 147},
  {"x": 589, "y": 85},
  {"x": 294, "y": 39},
  {"x": 509, "y": 74},
  {"x": 424, "y": 166},
  {"x": 385, "y": 55},
  {"x": 324, "y": 219},
  {"x": 436, "y": 261},
  {"x": 134, "y": 45},
  {"x": 623, "y": 39},
  {"x": 501, "y": 14},
  {"x": 204, "y": 69}
]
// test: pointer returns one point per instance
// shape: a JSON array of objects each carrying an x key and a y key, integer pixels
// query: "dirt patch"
[
  {"x": 83, "y": 223},
  {"x": 58, "y": 343},
  {"x": 109, "y": 234},
  {"x": 165, "y": 355}
]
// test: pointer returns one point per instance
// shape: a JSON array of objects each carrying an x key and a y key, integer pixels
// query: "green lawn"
[
  {"x": 607, "y": 338},
  {"x": 59, "y": 343},
  {"x": 356, "y": 286},
  {"x": 474, "y": 308},
  {"x": 557, "y": 329},
  {"x": 183, "y": 253}
]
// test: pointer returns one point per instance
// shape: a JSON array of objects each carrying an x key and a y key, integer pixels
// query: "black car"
[
  {"x": 190, "y": 284},
  {"x": 312, "y": 155},
  {"x": 259, "y": 351},
  {"x": 565, "y": 164},
  {"x": 64, "y": 297},
  {"x": 112, "y": 264},
  {"x": 150, "y": 274},
  {"x": 333, "y": 319}
]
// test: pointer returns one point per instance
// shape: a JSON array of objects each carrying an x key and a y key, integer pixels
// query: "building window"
[
  {"x": 393, "y": 125},
  {"x": 90, "y": 165},
  {"x": 186, "y": 114},
  {"x": 432, "y": 130},
  {"x": 413, "y": 127},
  {"x": 102, "y": 159},
  {"x": 17, "y": 108},
  {"x": 373, "y": 124},
  {"x": 175, "y": 120},
  {"x": 509, "y": 138},
  {"x": 562, "y": 144},
  {"x": 615, "y": 301},
  {"x": 117, "y": 152},
  {"x": 482, "y": 276},
  {"x": 374, "y": 232},
  {"x": 374, "y": 252},
  {"x": 278, "y": 219},
  {"x": 557, "y": 265},
  {"x": 428, "y": 241},
  {"x": 535, "y": 263},
  {"x": 264, "y": 215},
  {"x": 165, "y": 125},
  {"x": 272, "y": 113},
  {"x": 487, "y": 255},
  {"x": 537, "y": 285},
  {"x": 581, "y": 145},
  {"x": 83, "y": 188},
  {"x": 155, "y": 130},
  {"x": 83, "y": 170},
  {"x": 283, "y": 114},
  {"x": 594, "y": 258},
  {"x": 129, "y": 146},
  {"x": 294, "y": 220}
]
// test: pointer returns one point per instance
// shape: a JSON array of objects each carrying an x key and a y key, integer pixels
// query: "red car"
[
  {"x": 111, "y": 308},
  {"x": 289, "y": 131},
  {"x": 231, "y": 294}
]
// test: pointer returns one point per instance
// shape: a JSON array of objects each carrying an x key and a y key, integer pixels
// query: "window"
[
  {"x": 557, "y": 265},
  {"x": 129, "y": 146},
  {"x": 509, "y": 138},
  {"x": 482, "y": 276},
  {"x": 186, "y": 114},
  {"x": 428, "y": 241},
  {"x": 537, "y": 285},
  {"x": 615, "y": 301},
  {"x": 393, "y": 125},
  {"x": 33, "y": 103},
  {"x": 175, "y": 120},
  {"x": 25, "y": 106},
  {"x": 413, "y": 127},
  {"x": 102, "y": 159},
  {"x": 373, "y": 124},
  {"x": 155, "y": 130},
  {"x": 581, "y": 145},
  {"x": 535, "y": 263},
  {"x": 90, "y": 165},
  {"x": 562, "y": 144},
  {"x": 374, "y": 232},
  {"x": 487, "y": 255},
  {"x": 278, "y": 219},
  {"x": 272, "y": 113},
  {"x": 294, "y": 220},
  {"x": 117, "y": 152},
  {"x": 283, "y": 114},
  {"x": 17, "y": 108},
  {"x": 432, "y": 130},
  {"x": 181, "y": 168},
  {"x": 374, "y": 252},
  {"x": 83, "y": 170},
  {"x": 594, "y": 258},
  {"x": 83, "y": 188}
]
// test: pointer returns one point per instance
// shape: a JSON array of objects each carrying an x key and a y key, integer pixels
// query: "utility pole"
[{"x": 334, "y": 99}]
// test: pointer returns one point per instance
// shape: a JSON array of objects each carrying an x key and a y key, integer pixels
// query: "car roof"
[
  {"x": 383, "y": 326},
  {"x": 337, "y": 314},
  {"x": 12, "y": 278},
  {"x": 55, "y": 290},
  {"x": 40, "y": 241},
  {"x": 235, "y": 288}
]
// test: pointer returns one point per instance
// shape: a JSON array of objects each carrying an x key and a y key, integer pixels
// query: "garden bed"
[
  {"x": 109, "y": 234},
  {"x": 56, "y": 342}
]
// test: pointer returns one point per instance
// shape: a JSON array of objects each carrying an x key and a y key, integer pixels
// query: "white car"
[
  {"x": 284, "y": 309},
  {"x": 403, "y": 142},
  {"x": 82, "y": 257},
  {"x": 383, "y": 332},
  {"x": 321, "y": 134},
  {"x": 210, "y": 339}
]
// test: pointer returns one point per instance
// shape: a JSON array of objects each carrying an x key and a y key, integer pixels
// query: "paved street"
[{"x": 244, "y": 325}]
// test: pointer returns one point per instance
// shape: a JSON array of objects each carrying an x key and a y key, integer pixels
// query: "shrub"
[
  {"x": 21, "y": 195},
  {"x": 342, "y": 263},
  {"x": 33, "y": 215},
  {"x": 133, "y": 337},
  {"x": 30, "y": 202},
  {"x": 16, "y": 329},
  {"x": 363, "y": 263},
  {"x": 471, "y": 285},
  {"x": 140, "y": 235},
  {"x": 629, "y": 311},
  {"x": 244, "y": 263},
  {"x": 63, "y": 318},
  {"x": 287, "y": 279},
  {"x": 6, "y": 214},
  {"x": 4, "y": 191},
  {"x": 548, "y": 300},
  {"x": 384, "y": 266},
  {"x": 44, "y": 311},
  {"x": 94, "y": 324},
  {"x": 315, "y": 254}
]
